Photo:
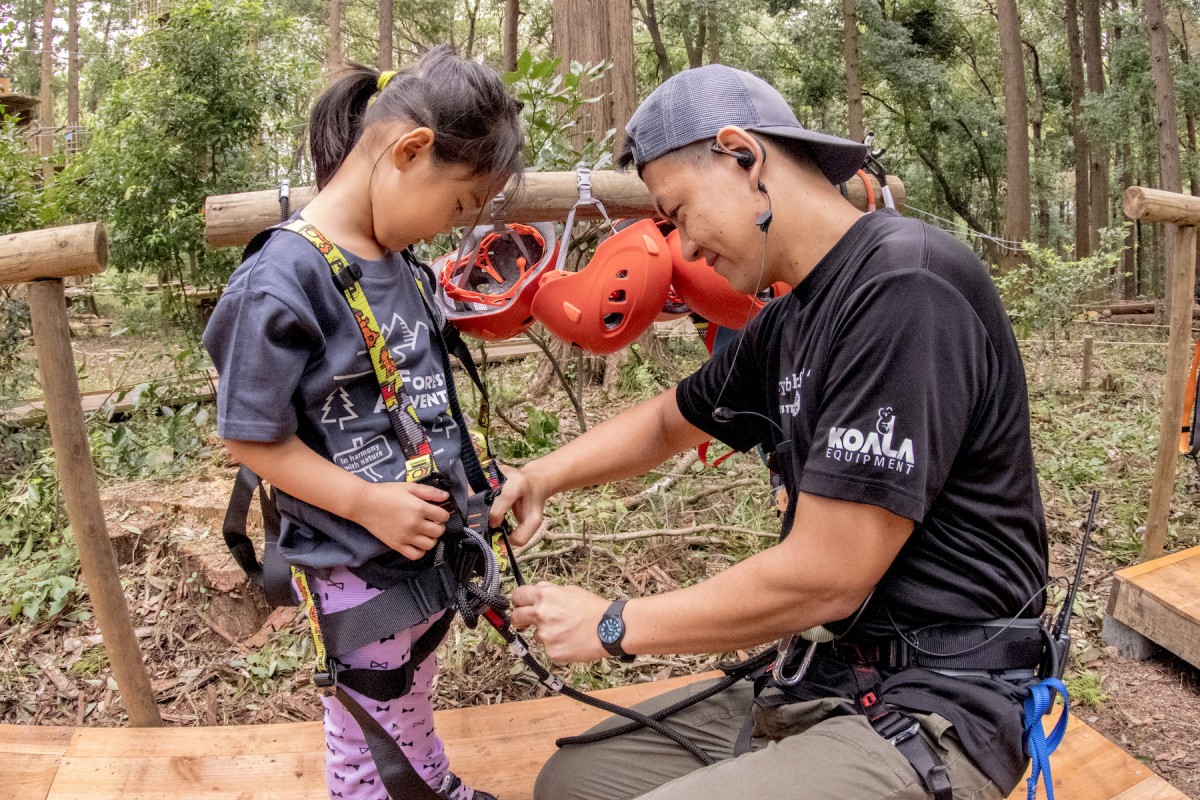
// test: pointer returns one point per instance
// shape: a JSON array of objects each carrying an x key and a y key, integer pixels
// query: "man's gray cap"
[{"x": 695, "y": 104}]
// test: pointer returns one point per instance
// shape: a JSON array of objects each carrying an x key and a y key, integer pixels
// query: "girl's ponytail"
[
  {"x": 337, "y": 119},
  {"x": 476, "y": 123}
]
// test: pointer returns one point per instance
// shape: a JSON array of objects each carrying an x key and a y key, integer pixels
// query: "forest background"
[{"x": 1014, "y": 124}]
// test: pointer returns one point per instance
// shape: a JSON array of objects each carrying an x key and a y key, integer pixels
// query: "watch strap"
[{"x": 614, "y": 648}]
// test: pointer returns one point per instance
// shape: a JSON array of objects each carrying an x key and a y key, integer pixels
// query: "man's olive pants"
[{"x": 802, "y": 750}]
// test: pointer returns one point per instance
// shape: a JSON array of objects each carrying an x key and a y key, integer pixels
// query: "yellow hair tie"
[{"x": 384, "y": 79}]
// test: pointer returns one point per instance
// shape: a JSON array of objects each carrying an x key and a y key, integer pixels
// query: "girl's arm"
[{"x": 401, "y": 515}]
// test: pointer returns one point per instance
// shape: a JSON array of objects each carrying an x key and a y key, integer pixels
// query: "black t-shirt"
[{"x": 894, "y": 378}]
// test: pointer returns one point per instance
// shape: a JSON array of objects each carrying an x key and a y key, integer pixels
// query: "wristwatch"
[{"x": 611, "y": 631}]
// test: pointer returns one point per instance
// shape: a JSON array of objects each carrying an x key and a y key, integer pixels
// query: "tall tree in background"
[
  {"x": 1166, "y": 121},
  {"x": 512, "y": 22},
  {"x": 333, "y": 56},
  {"x": 1097, "y": 148},
  {"x": 592, "y": 31},
  {"x": 854, "y": 105},
  {"x": 649, "y": 14},
  {"x": 1083, "y": 245},
  {"x": 1016, "y": 112},
  {"x": 73, "y": 74},
  {"x": 386, "y": 57},
  {"x": 46, "y": 109}
]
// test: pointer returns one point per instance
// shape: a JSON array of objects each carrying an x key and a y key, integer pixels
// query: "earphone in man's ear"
[{"x": 745, "y": 159}]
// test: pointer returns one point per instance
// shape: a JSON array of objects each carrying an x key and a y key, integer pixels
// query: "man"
[{"x": 889, "y": 389}]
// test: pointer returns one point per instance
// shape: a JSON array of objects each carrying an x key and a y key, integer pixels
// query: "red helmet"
[
  {"x": 488, "y": 293},
  {"x": 610, "y": 302},
  {"x": 709, "y": 294}
]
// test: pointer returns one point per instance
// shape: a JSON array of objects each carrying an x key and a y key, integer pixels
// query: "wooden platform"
[
  {"x": 498, "y": 747},
  {"x": 1160, "y": 600}
]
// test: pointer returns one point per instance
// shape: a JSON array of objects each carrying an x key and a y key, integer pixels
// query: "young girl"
[{"x": 398, "y": 158}]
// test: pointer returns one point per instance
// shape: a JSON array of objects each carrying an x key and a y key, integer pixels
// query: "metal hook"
[{"x": 583, "y": 180}]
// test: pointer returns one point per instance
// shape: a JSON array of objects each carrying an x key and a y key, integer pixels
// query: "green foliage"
[
  {"x": 1086, "y": 689},
  {"x": 19, "y": 201},
  {"x": 280, "y": 657},
  {"x": 182, "y": 123},
  {"x": 541, "y": 436},
  {"x": 552, "y": 103},
  {"x": 640, "y": 375},
  {"x": 1041, "y": 295},
  {"x": 38, "y": 562}
]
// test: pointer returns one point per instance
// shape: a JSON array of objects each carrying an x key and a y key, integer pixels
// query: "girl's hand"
[
  {"x": 403, "y": 516},
  {"x": 523, "y": 494}
]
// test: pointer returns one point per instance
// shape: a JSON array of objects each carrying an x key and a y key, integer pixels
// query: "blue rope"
[{"x": 1039, "y": 746}]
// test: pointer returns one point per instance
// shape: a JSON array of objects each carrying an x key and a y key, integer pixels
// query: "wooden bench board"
[
  {"x": 269, "y": 762},
  {"x": 1160, "y": 599}
]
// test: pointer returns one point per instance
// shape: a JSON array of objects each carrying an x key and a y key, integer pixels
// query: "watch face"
[{"x": 610, "y": 630}]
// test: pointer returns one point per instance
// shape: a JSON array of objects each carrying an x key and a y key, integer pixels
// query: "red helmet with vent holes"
[
  {"x": 487, "y": 285},
  {"x": 617, "y": 296},
  {"x": 710, "y": 295}
]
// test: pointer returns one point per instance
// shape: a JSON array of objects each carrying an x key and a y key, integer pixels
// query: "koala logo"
[{"x": 887, "y": 419}]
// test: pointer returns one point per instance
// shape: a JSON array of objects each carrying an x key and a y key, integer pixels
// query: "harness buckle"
[
  {"x": 326, "y": 678},
  {"x": 785, "y": 651},
  {"x": 904, "y": 735}
]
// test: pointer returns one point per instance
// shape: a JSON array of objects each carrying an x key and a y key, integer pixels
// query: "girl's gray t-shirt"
[{"x": 292, "y": 361}]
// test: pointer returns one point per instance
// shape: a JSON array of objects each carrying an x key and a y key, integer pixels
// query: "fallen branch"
[
  {"x": 724, "y": 487},
  {"x": 679, "y": 467},
  {"x": 646, "y": 534},
  {"x": 51, "y": 671},
  {"x": 73, "y": 643}
]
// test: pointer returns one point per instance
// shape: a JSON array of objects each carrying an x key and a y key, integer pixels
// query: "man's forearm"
[{"x": 625, "y": 446}]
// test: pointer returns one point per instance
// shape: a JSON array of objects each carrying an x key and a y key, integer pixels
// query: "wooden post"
[
  {"x": 1179, "y": 342},
  {"x": 1086, "y": 377},
  {"x": 231, "y": 220},
  {"x": 1182, "y": 211},
  {"x": 80, "y": 249}
]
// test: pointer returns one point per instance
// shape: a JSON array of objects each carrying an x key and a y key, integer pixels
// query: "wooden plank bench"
[
  {"x": 499, "y": 747},
  {"x": 1157, "y": 601}
]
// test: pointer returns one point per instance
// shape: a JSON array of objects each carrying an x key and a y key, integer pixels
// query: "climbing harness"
[{"x": 464, "y": 576}]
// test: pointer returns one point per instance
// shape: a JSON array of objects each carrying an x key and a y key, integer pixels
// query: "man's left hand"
[{"x": 566, "y": 618}]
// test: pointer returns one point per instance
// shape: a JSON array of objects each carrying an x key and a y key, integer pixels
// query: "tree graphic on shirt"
[{"x": 347, "y": 406}]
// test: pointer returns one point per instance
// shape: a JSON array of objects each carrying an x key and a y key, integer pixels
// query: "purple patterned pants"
[{"x": 349, "y": 770}]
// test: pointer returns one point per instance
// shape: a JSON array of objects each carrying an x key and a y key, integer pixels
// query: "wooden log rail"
[
  {"x": 1182, "y": 211},
  {"x": 231, "y": 220},
  {"x": 42, "y": 259}
]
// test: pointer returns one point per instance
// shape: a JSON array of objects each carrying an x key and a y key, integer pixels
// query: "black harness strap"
[
  {"x": 901, "y": 731},
  {"x": 272, "y": 575}
]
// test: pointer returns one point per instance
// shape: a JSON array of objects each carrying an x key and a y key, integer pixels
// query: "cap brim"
[{"x": 836, "y": 157}]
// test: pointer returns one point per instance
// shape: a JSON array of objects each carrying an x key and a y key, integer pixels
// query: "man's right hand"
[
  {"x": 403, "y": 516},
  {"x": 524, "y": 495}
]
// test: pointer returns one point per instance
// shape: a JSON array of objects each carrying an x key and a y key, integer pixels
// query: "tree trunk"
[
  {"x": 512, "y": 20},
  {"x": 333, "y": 57},
  {"x": 1167, "y": 123},
  {"x": 854, "y": 105},
  {"x": 387, "y": 57},
  {"x": 1129, "y": 254},
  {"x": 592, "y": 31},
  {"x": 46, "y": 109},
  {"x": 1083, "y": 236},
  {"x": 714, "y": 37},
  {"x": 650, "y": 19},
  {"x": 73, "y": 143},
  {"x": 1097, "y": 149},
  {"x": 1016, "y": 111},
  {"x": 1038, "y": 113}
]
